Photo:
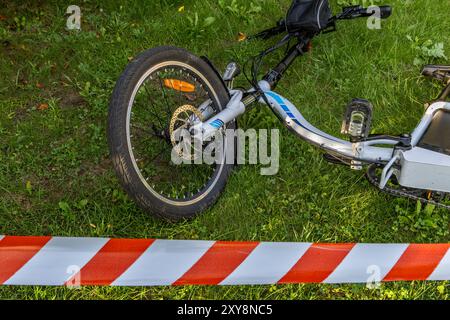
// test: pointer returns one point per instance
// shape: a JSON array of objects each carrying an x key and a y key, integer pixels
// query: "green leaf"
[
  {"x": 83, "y": 203},
  {"x": 429, "y": 209},
  {"x": 29, "y": 187},
  {"x": 418, "y": 61},
  {"x": 208, "y": 21},
  {"x": 418, "y": 207},
  {"x": 437, "y": 51},
  {"x": 64, "y": 206}
]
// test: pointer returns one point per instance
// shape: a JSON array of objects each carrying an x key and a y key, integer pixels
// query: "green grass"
[{"x": 55, "y": 176}]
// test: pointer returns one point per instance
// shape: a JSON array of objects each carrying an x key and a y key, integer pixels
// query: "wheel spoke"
[
  {"x": 163, "y": 91},
  {"x": 154, "y": 112},
  {"x": 143, "y": 130}
]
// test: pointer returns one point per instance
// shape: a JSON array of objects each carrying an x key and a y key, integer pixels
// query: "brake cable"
[{"x": 257, "y": 62}]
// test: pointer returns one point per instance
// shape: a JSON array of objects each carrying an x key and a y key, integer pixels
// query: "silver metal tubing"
[
  {"x": 426, "y": 120},
  {"x": 387, "y": 172},
  {"x": 356, "y": 151}
]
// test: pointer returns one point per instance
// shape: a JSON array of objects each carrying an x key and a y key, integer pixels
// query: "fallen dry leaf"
[
  {"x": 241, "y": 36},
  {"x": 39, "y": 85},
  {"x": 2, "y": 18},
  {"x": 42, "y": 107}
]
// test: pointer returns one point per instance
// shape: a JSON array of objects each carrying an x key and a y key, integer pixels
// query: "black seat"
[{"x": 439, "y": 72}]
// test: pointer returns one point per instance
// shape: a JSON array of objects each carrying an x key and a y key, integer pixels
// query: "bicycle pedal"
[{"x": 357, "y": 119}]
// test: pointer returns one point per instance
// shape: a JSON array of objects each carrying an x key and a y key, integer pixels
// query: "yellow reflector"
[{"x": 179, "y": 85}]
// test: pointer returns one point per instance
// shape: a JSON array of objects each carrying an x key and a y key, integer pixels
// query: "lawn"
[{"x": 56, "y": 178}]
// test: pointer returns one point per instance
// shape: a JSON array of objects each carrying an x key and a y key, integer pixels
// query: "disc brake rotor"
[{"x": 182, "y": 119}]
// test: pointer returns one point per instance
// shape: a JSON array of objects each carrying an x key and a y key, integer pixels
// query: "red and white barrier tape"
[{"x": 148, "y": 262}]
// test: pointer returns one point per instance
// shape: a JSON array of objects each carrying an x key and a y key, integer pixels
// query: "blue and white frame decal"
[
  {"x": 283, "y": 106},
  {"x": 278, "y": 99},
  {"x": 217, "y": 123}
]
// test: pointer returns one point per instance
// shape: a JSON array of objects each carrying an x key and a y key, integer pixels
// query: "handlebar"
[
  {"x": 301, "y": 47},
  {"x": 353, "y": 12}
]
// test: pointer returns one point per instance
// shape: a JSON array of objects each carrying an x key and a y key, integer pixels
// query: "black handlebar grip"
[{"x": 384, "y": 11}]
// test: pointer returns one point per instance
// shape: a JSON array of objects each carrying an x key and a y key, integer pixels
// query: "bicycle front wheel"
[{"x": 160, "y": 91}]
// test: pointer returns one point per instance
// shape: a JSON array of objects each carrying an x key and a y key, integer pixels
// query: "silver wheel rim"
[{"x": 129, "y": 146}]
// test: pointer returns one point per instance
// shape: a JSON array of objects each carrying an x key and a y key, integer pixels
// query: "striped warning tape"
[{"x": 149, "y": 262}]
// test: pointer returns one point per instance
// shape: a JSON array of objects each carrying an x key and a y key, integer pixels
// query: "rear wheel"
[{"x": 163, "y": 90}]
